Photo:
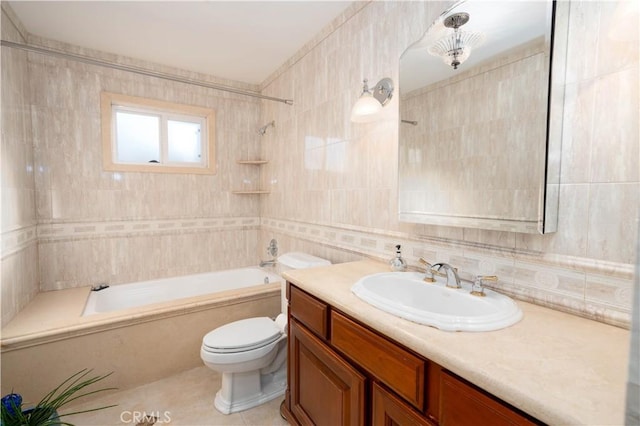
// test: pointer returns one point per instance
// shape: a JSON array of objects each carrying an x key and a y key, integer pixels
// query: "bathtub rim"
[
  {"x": 93, "y": 296},
  {"x": 81, "y": 325}
]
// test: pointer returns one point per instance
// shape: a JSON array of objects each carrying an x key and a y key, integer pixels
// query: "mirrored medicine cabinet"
[{"x": 479, "y": 145}]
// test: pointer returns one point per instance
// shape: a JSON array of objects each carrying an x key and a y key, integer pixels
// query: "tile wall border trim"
[
  {"x": 378, "y": 243},
  {"x": 108, "y": 229},
  {"x": 16, "y": 240},
  {"x": 599, "y": 293}
]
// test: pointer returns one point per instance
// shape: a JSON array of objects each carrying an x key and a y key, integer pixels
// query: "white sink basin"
[{"x": 406, "y": 295}]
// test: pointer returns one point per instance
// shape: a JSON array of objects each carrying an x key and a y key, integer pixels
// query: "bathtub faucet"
[{"x": 272, "y": 250}]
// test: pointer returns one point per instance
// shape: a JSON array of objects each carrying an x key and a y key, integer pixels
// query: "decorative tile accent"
[
  {"x": 609, "y": 291},
  {"x": 51, "y": 232},
  {"x": 17, "y": 240},
  {"x": 602, "y": 297}
]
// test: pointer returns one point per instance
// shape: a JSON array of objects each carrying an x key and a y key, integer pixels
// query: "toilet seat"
[
  {"x": 251, "y": 354},
  {"x": 241, "y": 336}
]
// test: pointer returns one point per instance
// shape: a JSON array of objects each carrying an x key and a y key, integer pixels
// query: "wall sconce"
[
  {"x": 455, "y": 47},
  {"x": 369, "y": 104}
]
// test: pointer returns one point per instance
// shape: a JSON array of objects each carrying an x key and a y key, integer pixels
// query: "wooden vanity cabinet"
[
  {"x": 343, "y": 373},
  {"x": 465, "y": 405},
  {"x": 326, "y": 389},
  {"x": 389, "y": 410}
]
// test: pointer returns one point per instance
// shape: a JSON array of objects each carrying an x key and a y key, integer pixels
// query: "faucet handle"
[
  {"x": 424, "y": 262},
  {"x": 478, "y": 284},
  {"x": 483, "y": 278},
  {"x": 272, "y": 248},
  {"x": 428, "y": 272}
]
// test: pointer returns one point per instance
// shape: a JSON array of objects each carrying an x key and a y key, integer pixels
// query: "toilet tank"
[
  {"x": 299, "y": 260},
  {"x": 296, "y": 260}
]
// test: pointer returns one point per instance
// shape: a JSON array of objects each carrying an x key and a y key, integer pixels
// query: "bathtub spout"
[{"x": 271, "y": 262}]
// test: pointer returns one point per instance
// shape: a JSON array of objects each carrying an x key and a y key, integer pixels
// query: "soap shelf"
[
  {"x": 251, "y": 191},
  {"x": 253, "y": 162}
]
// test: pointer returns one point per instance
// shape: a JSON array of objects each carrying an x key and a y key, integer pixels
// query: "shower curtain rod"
[{"x": 140, "y": 71}]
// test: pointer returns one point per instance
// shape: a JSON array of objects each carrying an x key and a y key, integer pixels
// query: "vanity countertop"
[{"x": 559, "y": 368}]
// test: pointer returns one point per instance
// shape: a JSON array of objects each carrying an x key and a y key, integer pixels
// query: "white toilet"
[{"x": 251, "y": 353}]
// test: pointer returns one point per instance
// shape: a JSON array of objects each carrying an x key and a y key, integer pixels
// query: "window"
[{"x": 148, "y": 135}]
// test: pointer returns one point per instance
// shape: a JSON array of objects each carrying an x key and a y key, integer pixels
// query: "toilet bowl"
[{"x": 251, "y": 353}]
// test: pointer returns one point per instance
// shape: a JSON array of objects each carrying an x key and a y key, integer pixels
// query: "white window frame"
[{"x": 111, "y": 103}]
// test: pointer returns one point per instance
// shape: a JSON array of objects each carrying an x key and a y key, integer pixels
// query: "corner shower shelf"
[
  {"x": 249, "y": 192},
  {"x": 253, "y": 162},
  {"x": 256, "y": 191}
]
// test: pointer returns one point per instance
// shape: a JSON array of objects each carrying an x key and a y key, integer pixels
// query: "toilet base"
[{"x": 241, "y": 391}]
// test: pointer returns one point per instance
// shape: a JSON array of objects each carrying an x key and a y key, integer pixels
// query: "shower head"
[{"x": 262, "y": 130}]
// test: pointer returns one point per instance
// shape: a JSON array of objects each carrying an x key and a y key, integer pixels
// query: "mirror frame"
[{"x": 549, "y": 188}]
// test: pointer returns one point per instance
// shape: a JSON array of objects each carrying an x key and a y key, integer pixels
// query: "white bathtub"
[
  {"x": 123, "y": 296},
  {"x": 145, "y": 335}
]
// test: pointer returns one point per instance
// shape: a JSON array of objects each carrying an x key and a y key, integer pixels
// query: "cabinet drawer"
[
  {"x": 462, "y": 404},
  {"x": 399, "y": 369},
  {"x": 309, "y": 311}
]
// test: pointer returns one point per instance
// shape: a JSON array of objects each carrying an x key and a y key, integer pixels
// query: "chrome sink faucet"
[{"x": 449, "y": 271}]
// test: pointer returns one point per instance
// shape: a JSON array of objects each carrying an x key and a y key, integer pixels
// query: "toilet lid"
[{"x": 242, "y": 335}]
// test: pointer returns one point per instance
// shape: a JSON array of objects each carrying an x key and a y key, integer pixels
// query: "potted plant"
[{"x": 45, "y": 412}]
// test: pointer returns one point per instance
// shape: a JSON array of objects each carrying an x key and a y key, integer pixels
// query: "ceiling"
[
  {"x": 239, "y": 40},
  {"x": 505, "y": 25}
]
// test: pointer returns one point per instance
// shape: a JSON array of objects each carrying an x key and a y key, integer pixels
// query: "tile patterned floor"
[{"x": 184, "y": 399}]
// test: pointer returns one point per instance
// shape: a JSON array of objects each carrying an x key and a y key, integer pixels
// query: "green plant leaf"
[{"x": 45, "y": 412}]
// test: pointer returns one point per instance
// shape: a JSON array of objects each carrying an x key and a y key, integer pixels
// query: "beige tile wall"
[
  {"x": 18, "y": 219},
  {"x": 334, "y": 183},
  {"x": 165, "y": 249},
  {"x": 115, "y": 227},
  {"x": 633, "y": 379},
  {"x": 68, "y": 223}
]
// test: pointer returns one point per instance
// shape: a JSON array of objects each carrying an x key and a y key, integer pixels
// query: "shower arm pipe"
[{"x": 141, "y": 71}]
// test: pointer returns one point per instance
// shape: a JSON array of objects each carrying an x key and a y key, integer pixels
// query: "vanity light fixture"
[
  {"x": 455, "y": 47},
  {"x": 370, "y": 103}
]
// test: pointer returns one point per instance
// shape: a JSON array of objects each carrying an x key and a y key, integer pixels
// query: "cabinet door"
[
  {"x": 325, "y": 390},
  {"x": 389, "y": 410},
  {"x": 463, "y": 404}
]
